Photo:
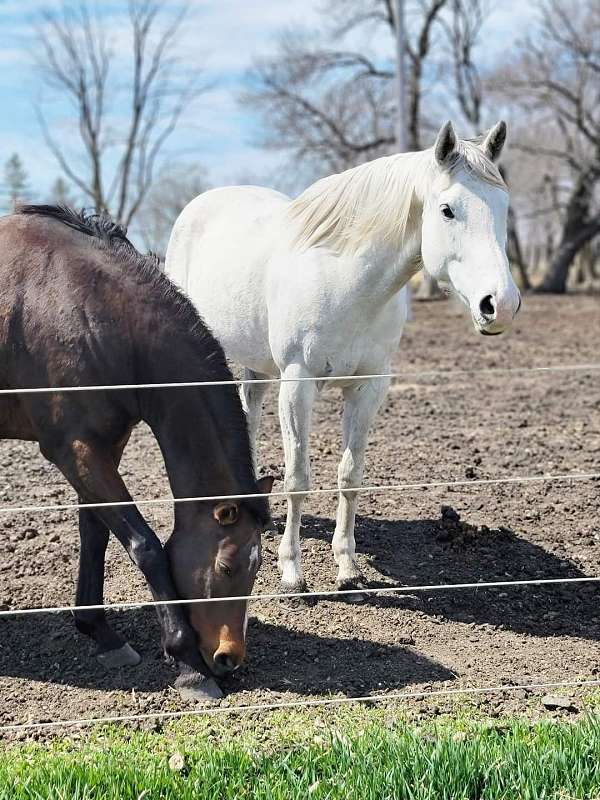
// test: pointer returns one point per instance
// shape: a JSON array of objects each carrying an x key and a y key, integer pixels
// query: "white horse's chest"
[{"x": 335, "y": 320}]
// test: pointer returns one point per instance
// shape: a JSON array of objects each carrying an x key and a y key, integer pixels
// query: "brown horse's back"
[{"x": 64, "y": 308}]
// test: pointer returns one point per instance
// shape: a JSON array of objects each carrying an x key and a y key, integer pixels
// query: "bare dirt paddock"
[{"x": 432, "y": 428}]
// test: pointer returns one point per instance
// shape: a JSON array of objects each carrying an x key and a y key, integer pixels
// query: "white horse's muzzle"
[{"x": 493, "y": 316}]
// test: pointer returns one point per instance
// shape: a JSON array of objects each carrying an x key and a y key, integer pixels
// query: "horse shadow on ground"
[
  {"x": 282, "y": 658},
  {"x": 433, "y": 552},
  {"x": 279, "y": 659}
]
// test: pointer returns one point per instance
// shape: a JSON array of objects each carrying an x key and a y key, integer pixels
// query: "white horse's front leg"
[
  {"x": 361, "y": 403},
  {"x": 296, "y": 401}
]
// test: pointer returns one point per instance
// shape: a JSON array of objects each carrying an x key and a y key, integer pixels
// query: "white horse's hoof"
[
  {"x": 299, "y": 588},
  {"x": 124, "y": 656},
  {"x": 355, "y": 598},
  {"x": 352, "y": 586},
  {"x": 198, "y": 689}
]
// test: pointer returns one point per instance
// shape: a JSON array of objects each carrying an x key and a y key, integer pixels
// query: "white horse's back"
[{"x": 217, "y": 254}]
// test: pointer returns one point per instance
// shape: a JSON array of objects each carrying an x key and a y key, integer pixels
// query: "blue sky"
[{"x": 221, "y": 38}]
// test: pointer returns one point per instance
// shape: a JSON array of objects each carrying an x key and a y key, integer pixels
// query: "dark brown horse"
[{"x": 79, "y": 306}]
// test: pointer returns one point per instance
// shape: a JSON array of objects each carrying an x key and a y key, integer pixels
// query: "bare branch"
[
  {"x": 555, "y": 77},
  {"x": 63, "y": 163},
  {"x": 334, "y": 106},
  {"x": 75, "y": 60}
]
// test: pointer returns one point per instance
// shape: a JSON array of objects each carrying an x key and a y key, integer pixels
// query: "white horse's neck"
[{"x": 370, "y": 216}]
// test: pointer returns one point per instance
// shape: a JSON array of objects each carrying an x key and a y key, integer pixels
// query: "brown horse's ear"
[
  {"x": 226, "y": 513},
  {"x": 265, "y": 484}
]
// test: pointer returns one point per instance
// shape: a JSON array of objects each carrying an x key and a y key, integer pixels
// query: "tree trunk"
[
  {"x": 558, "y": 271},
  {"x": 555, "y": 280},
  {"x": 515, "y": 253},
  {"x": 577, "y": 231}
]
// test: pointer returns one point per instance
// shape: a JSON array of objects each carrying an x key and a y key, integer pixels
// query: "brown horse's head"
[{"x": 219, "y": 559}]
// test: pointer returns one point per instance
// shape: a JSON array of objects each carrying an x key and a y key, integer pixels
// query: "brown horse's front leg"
[
  {"x": 146, "y": 552},
  {"x": 113, "y": 651},
  {"x": 93, "y": 474}
]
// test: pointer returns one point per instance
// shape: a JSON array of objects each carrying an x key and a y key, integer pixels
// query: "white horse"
[{"x": 316, "y": 287}]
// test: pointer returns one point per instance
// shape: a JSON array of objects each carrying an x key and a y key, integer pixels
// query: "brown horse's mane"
[
  {"x": 100, "y": 226},
  {"x": 224, "y": 400},
  {"x": 109, "y": 235}
]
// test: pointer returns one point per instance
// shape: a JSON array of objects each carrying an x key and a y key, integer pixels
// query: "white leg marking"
[{"x": 254, "y": 557}]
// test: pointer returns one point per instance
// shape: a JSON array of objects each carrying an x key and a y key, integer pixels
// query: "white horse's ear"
[
  {"x": 445, "y": 144},
  {"x": 493, "y": 141}
]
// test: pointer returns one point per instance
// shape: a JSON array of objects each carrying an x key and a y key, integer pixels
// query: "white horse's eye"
[{"x": 447, "y": 212}]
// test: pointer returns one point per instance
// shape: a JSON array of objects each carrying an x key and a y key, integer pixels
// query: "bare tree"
[
  {"x": 556, "y": 81},
  {"x": 174, "y": 187},
  {"x": 329, "y": 107},
  {"x": 334, "y": 106},
  {"x": 76, "y": 60},
  {"x": 463, "y": 26}
]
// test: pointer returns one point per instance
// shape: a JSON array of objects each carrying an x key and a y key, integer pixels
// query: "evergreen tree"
[{"x": 15, "y": 178}]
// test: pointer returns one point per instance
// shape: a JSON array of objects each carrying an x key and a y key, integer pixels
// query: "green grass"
[{"x": 364, "y": 754}]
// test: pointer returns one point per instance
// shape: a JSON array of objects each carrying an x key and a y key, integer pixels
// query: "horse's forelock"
[{"x": 470, "y": 156}]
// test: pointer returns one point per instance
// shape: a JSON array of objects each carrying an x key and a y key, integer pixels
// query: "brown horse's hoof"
[
  {"x": 198, "y": 689},
  {"x": 352, "y": 586},
  {"x": 124, "y": 656}
]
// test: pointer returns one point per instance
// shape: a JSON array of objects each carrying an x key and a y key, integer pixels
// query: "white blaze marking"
[{"x": 254, "y": 557}]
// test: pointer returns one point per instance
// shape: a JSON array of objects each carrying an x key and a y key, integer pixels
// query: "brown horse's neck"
[{"x": 201, "y": 431}]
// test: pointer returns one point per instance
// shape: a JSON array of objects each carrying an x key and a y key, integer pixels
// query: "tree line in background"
[
  {"x": 16, "y": 186},
  {"x": 330, "y": 101},
  {"x": 327, "y": 101}
]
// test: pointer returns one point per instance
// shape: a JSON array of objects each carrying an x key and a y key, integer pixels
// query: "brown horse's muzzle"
[
  {"x": 228, "y": 657},
  {"x": 222, "y": 563},
  {"x": 223, "y": 646}
]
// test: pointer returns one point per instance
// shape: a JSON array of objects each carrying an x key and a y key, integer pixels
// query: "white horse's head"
[{"x": 464, "y": 228}]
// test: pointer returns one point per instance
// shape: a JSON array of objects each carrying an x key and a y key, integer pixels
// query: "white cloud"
[{"x": 221, "y": 38}]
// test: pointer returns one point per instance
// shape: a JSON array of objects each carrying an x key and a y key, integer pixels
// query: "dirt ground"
[{"x": 431, "y": 428}]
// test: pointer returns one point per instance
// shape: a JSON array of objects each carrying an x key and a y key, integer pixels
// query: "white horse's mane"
[{"x": 343, "y": 211}]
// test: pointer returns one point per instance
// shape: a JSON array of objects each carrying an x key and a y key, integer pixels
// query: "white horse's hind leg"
[
  {"x": 296, "y": 401},
  {"x": 361, "y": 403},
  {"x": 252, "y": 396}
]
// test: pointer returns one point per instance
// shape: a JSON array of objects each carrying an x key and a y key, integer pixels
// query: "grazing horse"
[
  {"x": 316, "y": 287},
  {"x": 79, "y": 306}
]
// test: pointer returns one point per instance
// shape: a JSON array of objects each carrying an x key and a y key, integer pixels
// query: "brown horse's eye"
[
  {"x": 226, "y": 513},
  {"x": 224, "y": 569}
]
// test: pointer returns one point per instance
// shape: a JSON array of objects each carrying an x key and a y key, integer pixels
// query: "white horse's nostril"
[{"x": 487, "y": 307}]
